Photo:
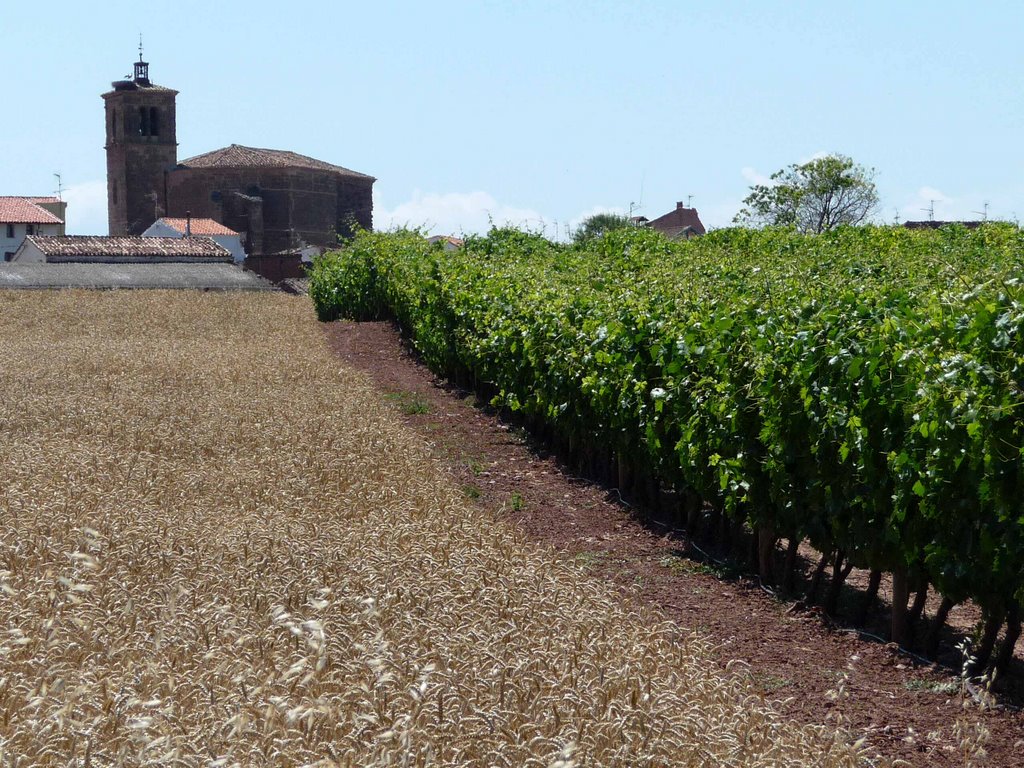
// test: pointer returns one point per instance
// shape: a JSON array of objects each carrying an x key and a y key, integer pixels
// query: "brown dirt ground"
[{"x": 906, "y": 709}]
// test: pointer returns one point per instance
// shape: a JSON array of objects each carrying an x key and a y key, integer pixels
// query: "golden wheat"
[{"x": 220, "y": 548}]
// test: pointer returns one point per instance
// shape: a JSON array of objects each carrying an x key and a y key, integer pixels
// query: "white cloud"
[
  {"x": 754, "y": 176},
  {"x": 931, "y": 193},
  {"x": 718, "y": 215},
  {"x": 455, "y": 213},
  {"x": 916, "y": 207},
  {"x": 87, "y": 208},
  {"x": 815, "y": 156}
]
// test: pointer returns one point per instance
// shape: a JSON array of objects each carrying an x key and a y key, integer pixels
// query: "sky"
[{"x": 538, "y": 114}]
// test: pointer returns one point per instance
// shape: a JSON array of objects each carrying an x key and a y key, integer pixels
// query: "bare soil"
[{"x": 906, "y": 708}]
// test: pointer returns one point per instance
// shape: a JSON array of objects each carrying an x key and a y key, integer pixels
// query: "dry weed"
[{"x": 220, "y": 549}]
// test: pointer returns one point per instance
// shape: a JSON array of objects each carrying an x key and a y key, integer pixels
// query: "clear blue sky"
[{"x": 539, "y": 112}]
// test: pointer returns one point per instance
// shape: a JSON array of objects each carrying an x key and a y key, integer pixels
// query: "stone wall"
[
  {"x": 276, "y": 208},
  {"x": 137, "y": 162},
  {"x": 355, "y": 203}
]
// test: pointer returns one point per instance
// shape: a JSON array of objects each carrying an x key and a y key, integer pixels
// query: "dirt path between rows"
[{"x": 905, "y": 709}]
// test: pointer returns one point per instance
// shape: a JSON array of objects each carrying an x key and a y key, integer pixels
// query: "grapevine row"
[{"x": 861, "y": 389}]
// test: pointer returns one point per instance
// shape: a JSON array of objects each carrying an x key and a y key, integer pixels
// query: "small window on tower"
[
  {"x": 143, "y": 121},
  {"x": 154, "y": 124}
]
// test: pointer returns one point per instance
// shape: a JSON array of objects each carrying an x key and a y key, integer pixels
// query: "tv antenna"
[
  {"x": 930, "y": 210},
  {"x": 689, "y": 201},
  {"x": 633, "y": 207},
  {"x": 984, "y": 212},
  {"x": 896, "y": 216},
  {"x": 60, "y": 187}
]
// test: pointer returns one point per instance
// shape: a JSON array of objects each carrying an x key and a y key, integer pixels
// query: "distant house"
[
  {"x": 36, "y": 249},
  {"x": 189, "y": 227},
  {"x": 679, "y": 224},
  {"x": 448, "y": 242},
  {"x": 24, "y": 216},
  {"x": 932, "y": 224}
]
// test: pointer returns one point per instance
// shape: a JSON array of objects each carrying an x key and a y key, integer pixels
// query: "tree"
[
  {"x": 597, "y": 225},
  {"x": 814, "y": 197}
]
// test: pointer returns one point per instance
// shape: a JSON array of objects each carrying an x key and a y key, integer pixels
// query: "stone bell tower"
[{"x": 141, "y": 149}]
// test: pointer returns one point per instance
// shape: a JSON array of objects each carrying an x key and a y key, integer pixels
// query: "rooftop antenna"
[
  {"x": 984, "y": 212},
  {"x": 930, "y": 210},
  {"x": 896, "y": 217},
  {"x": 60, "y": 187},
  {"x": 689, "y": 201}
]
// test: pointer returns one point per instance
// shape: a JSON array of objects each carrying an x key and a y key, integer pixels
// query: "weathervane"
[{"x": 141, "y": 67}]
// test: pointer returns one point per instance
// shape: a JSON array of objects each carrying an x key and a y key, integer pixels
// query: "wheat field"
[{"x": 220, "y": 548}]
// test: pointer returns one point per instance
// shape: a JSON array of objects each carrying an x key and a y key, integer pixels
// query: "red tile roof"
[
  {"x": 237, "y": 156},
  {"x": 129, "y": 249},
  {"x": 458, "y": 242},
  {"x": 207, "y": 227},
  {"x": 23, "y": 210},
  {"x": 675, "y": 223}
]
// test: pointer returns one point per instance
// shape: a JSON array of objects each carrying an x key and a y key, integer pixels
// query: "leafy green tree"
[
  {"x": 814, "y": 197},
  {"x": 597, "y": 225}
]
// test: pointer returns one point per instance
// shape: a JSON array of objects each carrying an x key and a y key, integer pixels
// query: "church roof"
[
  {"x": 131, "y": 85},
  {"x": 24, "y": 210},
  {"x": 237, "y": 156}
]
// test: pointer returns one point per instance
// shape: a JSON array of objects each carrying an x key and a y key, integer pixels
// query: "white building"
[
  {"x": 189, "y": 227},
  {"x": 24, "y": 216},
  {"x": 448, "y": 242}
]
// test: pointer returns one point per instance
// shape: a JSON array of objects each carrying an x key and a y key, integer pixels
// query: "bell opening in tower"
[{"x": 142, "y": 72}]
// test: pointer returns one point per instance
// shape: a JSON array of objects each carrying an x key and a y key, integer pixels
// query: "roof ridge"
[
  {"x": 20, "y": 209},
  {"x": 241, "y": 155}
]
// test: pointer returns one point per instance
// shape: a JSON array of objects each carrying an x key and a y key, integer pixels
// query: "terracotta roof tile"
[
  {"x": 23, "y": 210},
  {"x": 133, "y": 85},
  {"x": 674, "y": 222},
  {"x": 129, "y": 249},
  {"x": 237, "y": 156},
  {"x": 207, "y": 227},
  {"x": 932, "y": 224},
  {"x": 458, "y": 242}
]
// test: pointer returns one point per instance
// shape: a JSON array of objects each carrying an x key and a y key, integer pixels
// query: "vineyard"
[
  {"x": 221, "y": 548},
  {"x": 859, "y": 390}
]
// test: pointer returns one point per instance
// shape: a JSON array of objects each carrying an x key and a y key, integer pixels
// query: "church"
[{"x": 278, "y": 201}]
